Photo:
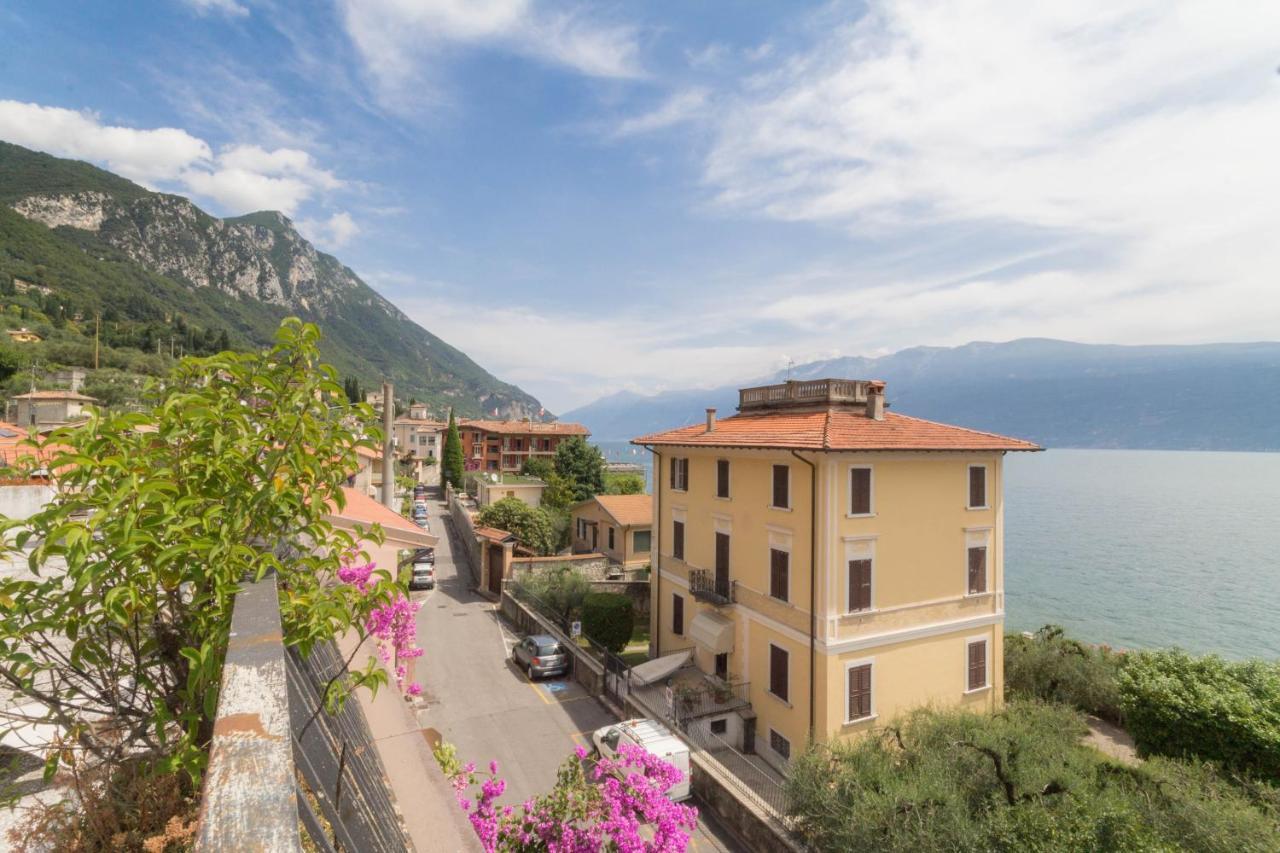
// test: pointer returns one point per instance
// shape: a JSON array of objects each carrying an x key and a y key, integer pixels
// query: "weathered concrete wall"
[
  {"x": 465, "y": 546},
  {"x": 25, "y": 499}
]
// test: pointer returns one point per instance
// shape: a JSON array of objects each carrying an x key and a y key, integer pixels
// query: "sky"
[{"x": 588, "y": 198}]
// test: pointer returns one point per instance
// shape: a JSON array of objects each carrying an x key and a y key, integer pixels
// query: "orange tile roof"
[
  {"x": 494, "y": 533},
  {"x": 55, "y": 395},
  {"x": 834, "y": 430},
  {"x": 627, "y": 510},
  {"x": 526, "y": 427},
  {"x": 15, "y": 449},
  {"x": 365, "y": 510}
]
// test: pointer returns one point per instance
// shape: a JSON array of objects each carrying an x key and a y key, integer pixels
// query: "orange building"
[{"x": 505, "y": 445}]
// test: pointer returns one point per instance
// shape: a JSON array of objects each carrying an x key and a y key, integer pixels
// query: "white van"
[{"x": 656, "y": 739}]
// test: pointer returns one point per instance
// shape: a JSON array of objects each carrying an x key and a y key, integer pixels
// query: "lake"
[{"x": 1139, "y": 548}]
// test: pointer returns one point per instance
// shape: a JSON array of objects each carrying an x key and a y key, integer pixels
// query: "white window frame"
[
  {"x": 790, "y": 493},
  {"x": 986, "y": 486},
  {"x": 681, "y": 462},
  {"x": 848, "y": 719},
  {"x": 969, "y": 641},
  {"x": 729, "y": 462},
  {"x": 978, "y": 537},
  {"x": 866, "y": 552},
  {"x": 848, "y": 492}
]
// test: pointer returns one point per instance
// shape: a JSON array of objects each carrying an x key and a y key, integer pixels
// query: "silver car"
[{"x": 540, "y": 654}]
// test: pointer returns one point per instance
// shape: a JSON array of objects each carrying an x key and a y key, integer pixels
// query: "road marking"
[{"x": 538, "y": 693}]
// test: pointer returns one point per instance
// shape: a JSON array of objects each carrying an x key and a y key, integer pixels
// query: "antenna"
[{"x": 791, "y": 365}]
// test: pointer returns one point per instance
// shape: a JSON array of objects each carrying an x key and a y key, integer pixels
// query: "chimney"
[
  {"x": 875, "y": 401},
  {"x": 711, "y": 420}
]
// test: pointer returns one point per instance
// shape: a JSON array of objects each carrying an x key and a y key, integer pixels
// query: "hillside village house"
[
  {"x": 505, "y": 445},
  {"x": 24, "y": 336},
  {"x": 418, "y": 439},
  {"x": 843, "y": 561},
  {"x": 617, "y": 526},
  {"x": 39, "y": 410},
  {"x": 491, "y": 488}
]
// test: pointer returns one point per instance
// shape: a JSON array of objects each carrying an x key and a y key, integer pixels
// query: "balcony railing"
[
  {"x": 706, "y": 586},
  {"x": 803, "y": 393}
]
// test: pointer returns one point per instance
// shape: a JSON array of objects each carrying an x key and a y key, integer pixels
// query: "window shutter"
[
  {"x": 722, "y": 553},
  {"x": 860, "y": 491},
  {"x": 675, "y": 466},
  {"x": 677, "y": 539},
  {"x": 778, "y": 660},
  {"x": 779, "y": 573},
  {"x": 977, "y": 485},
  {"x": 860, "y": 691},
  {"x": 977, "y": 665},
  {"x": 977, "y": 570},
  {"x": 859, "y": 585},
  {"x": 781, "y": 478},
  {"x": 677, "y": 614},
  {"x": 722, "y": 478}
]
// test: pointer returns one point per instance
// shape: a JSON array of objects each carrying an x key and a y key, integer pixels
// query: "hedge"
[
  {"x": 1179, "y": 705},
  {"x": 1054, "y": 668},
  {"x": 608, "y": 619}
]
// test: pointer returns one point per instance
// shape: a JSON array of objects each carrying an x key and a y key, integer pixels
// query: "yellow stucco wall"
[
  {"x": 623, "y": 550},
  {"x": 917, "y": 537}
]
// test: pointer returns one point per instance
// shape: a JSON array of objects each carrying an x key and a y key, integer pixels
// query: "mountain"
[
  {"x": 105, "y": 244},
  {"x": 1056, "y": 393}
]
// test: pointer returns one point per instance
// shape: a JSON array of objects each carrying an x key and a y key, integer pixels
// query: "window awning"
[
  {"x": 658, "y": 669},
  {"x": 713, "y": 632}
]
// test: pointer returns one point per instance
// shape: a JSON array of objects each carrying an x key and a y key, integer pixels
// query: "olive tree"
[{"x": 116, "y": 636}]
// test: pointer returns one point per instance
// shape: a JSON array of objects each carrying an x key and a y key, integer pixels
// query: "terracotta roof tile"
[
  {"x": 834, "y": 430},
  {"x": 494, "y": 534},
  {"x": 627, "y": 510},
  {"x": 526, "y": 427}
]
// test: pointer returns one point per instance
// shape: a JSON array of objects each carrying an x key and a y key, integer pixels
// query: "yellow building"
[
  {"x": 617, "y": 526},
  {"x": 846, "y": 563}
]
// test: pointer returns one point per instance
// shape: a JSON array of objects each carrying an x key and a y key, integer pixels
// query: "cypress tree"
[{"x": 451, "y": 470}]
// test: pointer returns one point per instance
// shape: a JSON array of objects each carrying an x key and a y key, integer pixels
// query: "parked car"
[
  {"x": 420, "y": 506},
  {"x": 424, "y": 576},
  {"x": 540, "y": 654},
  {"x": 419, "y": 492},
  {"x": 654, "y": 738}
]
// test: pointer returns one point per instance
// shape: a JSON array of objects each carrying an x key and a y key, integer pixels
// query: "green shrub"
[
  {"x": 608, "y": 619},
  {"x": 1179, "y": 705},
  {"x": 1054, "y": 668},
  {"x": 560, "y": 589},
  {"x": 531, "y": 525},
  {"x": 1013, "y": 781}
]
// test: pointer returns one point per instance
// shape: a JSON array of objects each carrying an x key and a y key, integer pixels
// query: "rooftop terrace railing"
[{"x": 804, "y": 392}]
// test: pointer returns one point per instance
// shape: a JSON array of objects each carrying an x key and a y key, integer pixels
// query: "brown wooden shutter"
[
  {"x": 977, "y": 570},
  {"x": 677, "y": 614},
  {"x": 722, "y": 553},
  {"x": 860, "y": 491},
  {"x": 977, "y": 486},
  {"x": 859, "y": 584},
  {"x": 677, "y": 539},
  {"x": 781, "y": 486},
  {"x": 779, "y": 573},
  {"x": 860, "y": 691},
  {"x": 675, "y": 466},
  {"x": 977, "y": 665},
  {"x": 722, "y": 478},
  {"x": 778, "y": 679}
]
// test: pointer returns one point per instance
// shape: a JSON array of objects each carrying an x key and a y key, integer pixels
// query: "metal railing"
[
  {"x": 706, "y": 585},
  {"x": 522, "y": 594},
  {"x": 695, "y": 695},
  {"x": 279, "y": 758}
]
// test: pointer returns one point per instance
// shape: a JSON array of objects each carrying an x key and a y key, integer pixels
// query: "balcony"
[
  {"x": 817, "y": 392},
  {"x": 706, "y": 586}
]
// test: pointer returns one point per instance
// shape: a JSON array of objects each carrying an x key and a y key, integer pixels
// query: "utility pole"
[
  {"x": 97, "y": 331},
  {"x": 388, "y": 460}
]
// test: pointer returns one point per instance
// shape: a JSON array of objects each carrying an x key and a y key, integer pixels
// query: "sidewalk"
[{"x": 422, "y": 794}]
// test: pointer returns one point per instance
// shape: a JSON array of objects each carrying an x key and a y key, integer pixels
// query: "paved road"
[{"x": 480, "y": 703}]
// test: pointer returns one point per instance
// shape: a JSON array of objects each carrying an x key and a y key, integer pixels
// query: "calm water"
[{"x": 1140, "y": 548}]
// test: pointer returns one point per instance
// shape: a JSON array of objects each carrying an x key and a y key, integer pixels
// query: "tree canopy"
[
  {"x": 582, "y": 465},
  {"x": 530, "y": 525},
  {"x": 451, "y": 468}
]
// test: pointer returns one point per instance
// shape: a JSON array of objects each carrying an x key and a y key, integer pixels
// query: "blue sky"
[{"x": 591, "y": 197}]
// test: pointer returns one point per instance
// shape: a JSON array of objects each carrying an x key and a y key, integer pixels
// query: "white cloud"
[
  {"x": 222, "y": 7},
  {"x": 142, "y": 155},
  {"x": 332, "y": 233},
  {"x": 240, "y": 178},
  {"x": 684, "y": 106},
  {"x": 400, "y": 39}
]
